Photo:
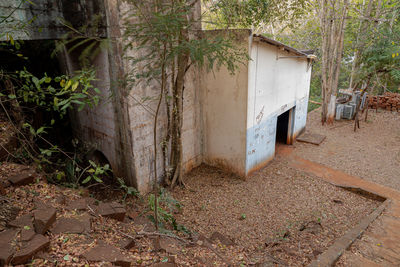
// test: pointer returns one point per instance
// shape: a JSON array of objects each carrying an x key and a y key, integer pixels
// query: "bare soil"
[
  {"x": 371, "y": 153},
  {"x": 280, "y": 215}
]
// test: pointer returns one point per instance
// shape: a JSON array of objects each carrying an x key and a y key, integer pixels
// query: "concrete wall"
[
  {"x": 278, "y": 81},
  {"x": 141, "y": 120},
  {"x": 224, "y": 106},
  {"x": 45, "y": 19},
  {"x": 96, "y": 125},
  {"x": 229, "y": 121}
]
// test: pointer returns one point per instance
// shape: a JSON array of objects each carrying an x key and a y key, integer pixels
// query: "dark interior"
[
  {"x": 35, "y": 56},
  {"x": 282, "y": 128}
]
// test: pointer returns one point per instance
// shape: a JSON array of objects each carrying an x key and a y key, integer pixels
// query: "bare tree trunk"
[
  {"x": 362, "y": 37},
  {"x": 333, "y": 20}
]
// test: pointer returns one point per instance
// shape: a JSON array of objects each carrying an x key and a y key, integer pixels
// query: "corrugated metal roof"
[{"x": 270, "y": 41}]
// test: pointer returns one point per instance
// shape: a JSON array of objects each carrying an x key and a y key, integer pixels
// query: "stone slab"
[
  {"x": 79, "y": 225},
  {"x": 315, "y": 139},
  {"x": 23, "y": 178},
  {"x": 38, "y": 243},
  {"x": 112, "y": 210},
  {"x": 22, "y": 221},
  {"x": 106, "y": 253}
]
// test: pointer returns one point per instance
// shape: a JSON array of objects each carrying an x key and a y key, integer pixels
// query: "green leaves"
[{"x": 95, "y": 172}]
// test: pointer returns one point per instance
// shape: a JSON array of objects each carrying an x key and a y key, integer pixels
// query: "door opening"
[{"x": 284, "y": 128}]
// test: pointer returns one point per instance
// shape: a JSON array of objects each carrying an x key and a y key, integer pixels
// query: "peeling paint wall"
[
  {"x": 277, "y": 83},
  {"x": 240, "y": 113}
]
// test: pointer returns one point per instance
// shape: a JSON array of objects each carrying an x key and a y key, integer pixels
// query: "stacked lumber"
[{"x": 388, "y": 101}]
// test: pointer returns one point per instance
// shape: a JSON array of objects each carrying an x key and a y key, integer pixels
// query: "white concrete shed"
[{"x": 245, "y": 115}]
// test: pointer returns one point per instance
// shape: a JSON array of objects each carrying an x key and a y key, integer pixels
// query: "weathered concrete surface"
[{"x": 48, "y": 18}]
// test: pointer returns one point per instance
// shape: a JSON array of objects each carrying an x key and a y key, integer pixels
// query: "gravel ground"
[
  {"x": 279, "y": 212},
  {"x": 372, "y": 152}
]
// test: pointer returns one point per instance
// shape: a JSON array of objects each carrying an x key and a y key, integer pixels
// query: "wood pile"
[{"x": 388, "y": 101}]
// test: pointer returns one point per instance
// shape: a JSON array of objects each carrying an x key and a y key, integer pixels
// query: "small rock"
[
  {"x": 311, "y": 227},
  {"x": 266, "y": 264},
  {"x": 223, "y": 239},
  {"x": 164, "y": 264},
  {"x": 38, "y": 243},
  {"x": 337, "y": 201},
  {"x": 23, "y": 178},
  {"x": 127, "y": 243},
  {"x": 23, "y": 221},
  {"x": 146, "y": 223},
  {"x": 171, "y": 246},
  {"x": 40, "y": 205},
  {"x": 60, "y": 200},
  {"x": 107, "y": 253},
  {"x": 81, "y": 204},
  {"x": 2, "y": 190},
  {"x": 72, "y": 225},
  {"x": 43, "y": 219},
  {"x": 5, "y": 183},
  {"x": 112, "y": 210},
  {"x": 27, "y": 235},
  {"x": 316, "y": 252}
]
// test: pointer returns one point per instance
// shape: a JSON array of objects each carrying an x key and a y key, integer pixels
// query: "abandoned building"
[{"x": 230, "y": 121}]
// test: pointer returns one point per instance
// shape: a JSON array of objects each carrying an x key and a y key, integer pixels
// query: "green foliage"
[
  {"x": 254, "y": 14},
  {"x": 147, "y": 32},
  {"x": 129, "y": 191},
  {"x": 166, "y": 207},
  {"x": 56, "y": 94}
]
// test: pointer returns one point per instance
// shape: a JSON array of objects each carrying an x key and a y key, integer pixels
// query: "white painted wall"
[
  {"x": 276, "y": 85},
  {"x": 224, "y": 106}
]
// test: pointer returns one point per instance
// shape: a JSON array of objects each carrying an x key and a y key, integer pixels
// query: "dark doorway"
[{"x": 282, "y": 127}]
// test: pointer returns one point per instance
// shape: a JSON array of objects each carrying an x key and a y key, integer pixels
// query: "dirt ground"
[
  {"x": 280, "y": 213},
  {"x": 371, "y": 153}
]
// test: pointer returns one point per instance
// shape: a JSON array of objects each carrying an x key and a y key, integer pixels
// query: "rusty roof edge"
[{"x": 270, "y": 41}]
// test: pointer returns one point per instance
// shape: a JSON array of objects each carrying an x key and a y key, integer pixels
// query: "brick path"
[{"x": 380, "y": 243}]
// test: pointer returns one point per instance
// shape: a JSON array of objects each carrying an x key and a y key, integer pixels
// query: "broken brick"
[
  {"x": 43, "y": 219},
  {"x": 27, "y": 235},
  {"x": 81, "y": 204},
  {"x": 7, "y": 238},
  {"x": 127, "y": 243},
  {"x": 23, "y": 178},
  {"x": 112, "y": 210},
  {"x": 23, "y": 221},
  {"x": 107, "y": 253},
  {"x": 38, "y": 243},
  {"x": 72, "y": 225}
]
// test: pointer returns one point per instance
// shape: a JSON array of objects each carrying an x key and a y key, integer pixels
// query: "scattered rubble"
[{"x": 107, "y": 253}]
